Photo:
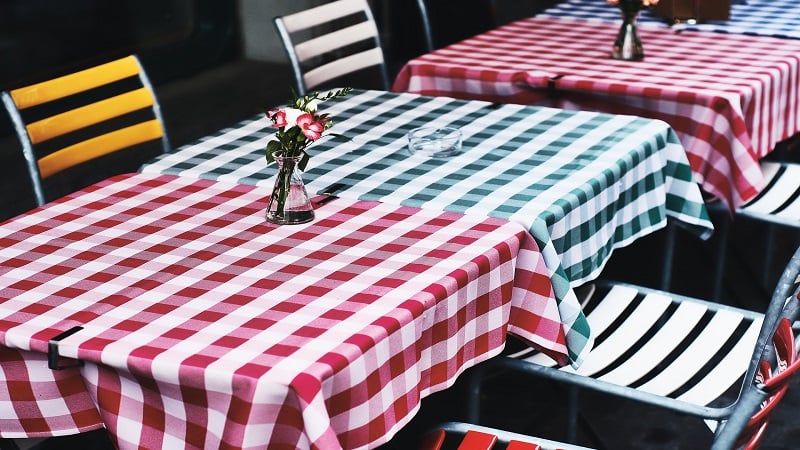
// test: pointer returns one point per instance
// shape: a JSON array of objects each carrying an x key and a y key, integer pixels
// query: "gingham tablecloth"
[
  {"x": 729, "y": 97},
  {"x": 206, "y": 327},
  {"x": 779, "y": 18},
  {"x": 582, "y": 183}
]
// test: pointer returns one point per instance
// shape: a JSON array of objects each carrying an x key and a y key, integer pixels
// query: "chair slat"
[
  {"x": 647, "y": 313},
  {"x": 476, "y": 437},
  {"x": 78, "y": 118},
  {"x": 343, "y": 66},
  {"x": 729, "y": 370},
  {"x": 519, "y": 445},
  {"x": 477, "y": 440},
  {"x": 99, "y": 146},
  {"x": 57, "y": 88},
  {"x": 328, "y": 42},
  {"x": 612, "y": 305},
  {"x": 79, "y": 126},
  {"x": 433, "y": 440},
  {"x": 656, "y": 350},
  {"x": 708, "y": 342},
  {"x": 324, "y": 13}
]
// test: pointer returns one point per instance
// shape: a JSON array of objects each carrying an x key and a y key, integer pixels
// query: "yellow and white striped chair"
[{"x": 84, "y": 116}]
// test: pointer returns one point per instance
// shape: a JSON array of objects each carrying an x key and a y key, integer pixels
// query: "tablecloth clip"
[
  {"x": 551, "y": 85},
  {"x": 52, "y": 350},
  {"x": 330, "y": 190}
]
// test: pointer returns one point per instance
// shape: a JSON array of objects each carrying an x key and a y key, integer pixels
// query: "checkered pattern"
[
  {"x": 206, "y": 327},
  {"x": 779, "y": 18},
  {"x": 582, "y": 183},
  {"x": 729, "y": 97},
  {"x": 38, "y": 402}
]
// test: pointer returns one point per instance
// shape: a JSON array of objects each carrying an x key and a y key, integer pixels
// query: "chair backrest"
[
  {"x": 330, "y": 41},
  {"x": 746, "y": 425},
  {"x": 70, "y": 120}
]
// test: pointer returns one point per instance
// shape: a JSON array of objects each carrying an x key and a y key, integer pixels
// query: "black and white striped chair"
[
  {"x": 670, "y": 351},
  {"x": 777, "y": 205},
  {"x": 779, "y": 202}
]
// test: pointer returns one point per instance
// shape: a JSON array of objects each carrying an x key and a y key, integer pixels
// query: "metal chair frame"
[{"x": 427, "y": 31}]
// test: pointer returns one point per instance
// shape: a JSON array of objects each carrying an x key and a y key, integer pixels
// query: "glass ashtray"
[{"x": 434, "y": 142}]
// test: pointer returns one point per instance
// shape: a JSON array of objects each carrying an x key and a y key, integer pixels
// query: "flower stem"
[{"x": 286, "y": 169}]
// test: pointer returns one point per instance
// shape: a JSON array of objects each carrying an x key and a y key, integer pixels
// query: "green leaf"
[
  {"x": 340, "y": 136},
  {"x": 272, "y": 148},
  {"x": 303, "y": 160}
]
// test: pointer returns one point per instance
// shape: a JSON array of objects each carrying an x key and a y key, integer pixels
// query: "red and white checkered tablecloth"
[
  {"x": 729, "y": 97},
  {"x": 204, "y": 326}
]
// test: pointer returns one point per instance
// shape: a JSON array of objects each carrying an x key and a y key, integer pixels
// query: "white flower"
[{"x": 291, "y": 116}]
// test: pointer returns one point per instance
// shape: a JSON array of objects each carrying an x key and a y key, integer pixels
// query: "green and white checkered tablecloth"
[{"x": 583, "y": 183}]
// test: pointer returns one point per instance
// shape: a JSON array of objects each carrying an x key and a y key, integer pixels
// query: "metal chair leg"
[
  {"x": 722, "y": 252},
  {"x": 669, "y": 255},
  {"x": 474, "y": 381},
  {"x": 572, "y": 413},
  {"x": 767, "y": 264}
]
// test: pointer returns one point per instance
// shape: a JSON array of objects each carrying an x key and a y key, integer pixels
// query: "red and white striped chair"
[{"x": 464, "y": 436}]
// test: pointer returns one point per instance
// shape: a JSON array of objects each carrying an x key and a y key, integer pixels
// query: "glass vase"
[
  {"x": 627, "y": 46},
  {"x": 289, "y": 203}
]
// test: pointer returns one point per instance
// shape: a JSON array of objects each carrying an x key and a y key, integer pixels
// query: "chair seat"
[
  {"x": 779, "y": 201},
  {"x": 675, "y": 341}
]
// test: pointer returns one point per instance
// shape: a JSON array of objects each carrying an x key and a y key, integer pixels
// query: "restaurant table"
[
  {"x": 731, "y": 98},
  {"x": 582, "y": 183},
  {"x": 779, "y": 18},
  {"x": 201, "y": 325}
]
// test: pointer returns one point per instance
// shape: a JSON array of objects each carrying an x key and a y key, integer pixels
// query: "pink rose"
[
  {"x": 312, "y": 128},
  {"x": 278, "y": 118}
]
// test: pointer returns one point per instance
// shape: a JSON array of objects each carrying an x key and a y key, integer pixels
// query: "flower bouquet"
[{"x": 298, "y": 126}]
